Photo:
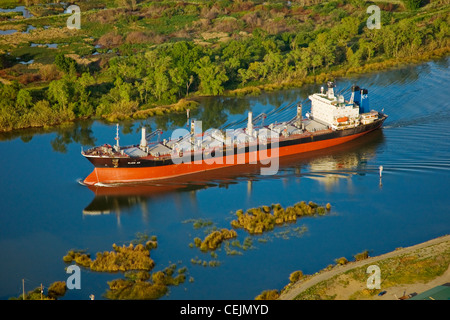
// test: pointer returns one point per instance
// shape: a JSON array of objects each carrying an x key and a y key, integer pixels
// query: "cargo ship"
[{"x": 331, "y": 121}]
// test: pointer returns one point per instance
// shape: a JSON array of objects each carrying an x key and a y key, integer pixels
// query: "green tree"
[
  {"x": 8, "y": 92},
  {"x": 24, "y": 99},
  {"x": 65, "y": 64},
  {"x": 323, "y": 47},
  {"x": 413, "y": 4},
  {"x": 184, "y": 56},
  {"x": 316, "y": 61},
  {"x": 211, "y": 75},
  {"x": 162, "y": 80},
  {"x": 60, "y": 92}
]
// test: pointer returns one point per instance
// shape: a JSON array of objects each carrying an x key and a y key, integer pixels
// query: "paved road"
[{"x": 301, "y": 286}]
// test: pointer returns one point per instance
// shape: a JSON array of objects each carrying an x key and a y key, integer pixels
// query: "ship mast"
[
  {"x": 299, "y": 115},
  {"x": 117, "y": 138}
]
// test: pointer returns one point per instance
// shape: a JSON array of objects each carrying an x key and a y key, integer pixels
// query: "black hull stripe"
[{"x": 105, "y": 162}]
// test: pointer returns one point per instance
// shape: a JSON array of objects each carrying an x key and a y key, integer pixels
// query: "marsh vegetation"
[
  {"x": 265, "y": 218},
  {"x": 134, "y": 261}
]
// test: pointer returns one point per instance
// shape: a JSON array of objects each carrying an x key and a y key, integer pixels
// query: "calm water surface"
[{"x": 45, "y": 212}]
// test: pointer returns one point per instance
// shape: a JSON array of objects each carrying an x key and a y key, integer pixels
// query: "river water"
[{"x": 45, "y": 211}]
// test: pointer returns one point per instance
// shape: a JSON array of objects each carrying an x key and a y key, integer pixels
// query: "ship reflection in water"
[{"x": 328, "y": 166}]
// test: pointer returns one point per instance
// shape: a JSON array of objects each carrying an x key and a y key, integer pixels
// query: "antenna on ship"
[
  {"x": 117, "y": 137},
  {"x": 330, "y": 92}
]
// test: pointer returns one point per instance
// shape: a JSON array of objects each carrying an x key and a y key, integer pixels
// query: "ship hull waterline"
[{"x": 112, "y": 175}]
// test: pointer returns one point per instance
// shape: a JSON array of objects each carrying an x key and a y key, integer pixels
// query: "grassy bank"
[{"x": 411, "y": 270}]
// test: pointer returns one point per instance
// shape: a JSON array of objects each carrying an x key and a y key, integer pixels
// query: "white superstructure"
[{"x": 335, "y": 111}]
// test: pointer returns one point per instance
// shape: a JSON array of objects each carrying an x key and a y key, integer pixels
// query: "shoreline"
[
  {"x": 337, "y": 273},
  {"x": 191, "y": 102}
]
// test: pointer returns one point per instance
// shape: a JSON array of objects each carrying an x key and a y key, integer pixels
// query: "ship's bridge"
[{"x": 334, "y": 111}]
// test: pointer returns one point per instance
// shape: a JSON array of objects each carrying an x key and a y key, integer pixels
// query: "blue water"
[{"x": 45, "y": 212}]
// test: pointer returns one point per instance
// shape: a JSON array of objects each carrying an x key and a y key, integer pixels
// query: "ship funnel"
[
  {"x": 330, "y": 92},
  {"x": 356, "y": 95},
  {"x": 364, "y": 107},
  {"x": 143, "y": 144},
  {"x": 250, "y": 124}
]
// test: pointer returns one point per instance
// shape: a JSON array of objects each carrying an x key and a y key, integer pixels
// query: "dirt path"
[{"x": 396, "y": 292}]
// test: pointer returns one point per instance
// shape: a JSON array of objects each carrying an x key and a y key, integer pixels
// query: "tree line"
[{"x": 143, "y": 77}]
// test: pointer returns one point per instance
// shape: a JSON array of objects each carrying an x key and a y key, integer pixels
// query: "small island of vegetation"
[
  {"x": 258, "y": 220},
  {"x": 213, "y": 240},
  {"x": 135, "y": 262}
]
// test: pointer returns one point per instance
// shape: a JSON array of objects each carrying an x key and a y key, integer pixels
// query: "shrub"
[
  {"x": 57, "y": 289},
  {"x": 295, "y": 276},
  {"x": 79, "y": 258},
  {"x": 197, "y": 242},
  {"x": 258, "y": 220},
  {"x": 341, "y": 261},
  {"x": 214, "y": 239},
  {"x": 268, "y": 295},
  {"x": 413, "y": 4},
  {"x": 120, "y": 259},
  {"x": 320, "y": 210},
  {"x": 135, "y": 37},
  {"x": 129, "y": 290},
  {"x": 110, "y": 40},
  {"x": 49, "y": 72},
  {"x": 361, "y": 256}
]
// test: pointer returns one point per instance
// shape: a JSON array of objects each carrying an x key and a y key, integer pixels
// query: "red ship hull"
[{"x": 113, "y": 175}]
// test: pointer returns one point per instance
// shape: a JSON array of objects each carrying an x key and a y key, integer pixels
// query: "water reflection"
[
  {"x": 79, "y": 132},
  {"x": 327, "y": 166},
  {"x": 25, "y": 13}
]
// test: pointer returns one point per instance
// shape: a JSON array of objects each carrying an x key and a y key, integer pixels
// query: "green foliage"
[
  {"x": 265, "y": 218},
  {"x": 24, "y": 99},
  {"x": 268, "y": 295},
  {"x": 135, "y": 262},
  {"x": 211, "y": 75},
  {"x": 57, "y": 289},
  {"x": 121, "y": 289},
  {"x": 413, "y": 4},
  {"x": 166, "y": 63},
  {"x": 122, "y": 258},
  {"x": 65, "y": 64},
  {"x": 295, "y": 276},
  {"x": 341, "y": 261},
  {"x": 213, "y": 240},
  {"x": 361, "y": 256}
]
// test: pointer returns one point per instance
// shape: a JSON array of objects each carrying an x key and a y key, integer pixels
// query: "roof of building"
[{"x": 441, "y": 292}]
